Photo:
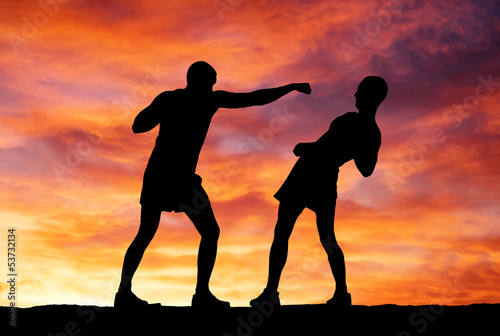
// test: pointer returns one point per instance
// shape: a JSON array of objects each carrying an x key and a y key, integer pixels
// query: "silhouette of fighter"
[
  {"x": 312, "y": 184},
  {"x": 170, "y": 182}
]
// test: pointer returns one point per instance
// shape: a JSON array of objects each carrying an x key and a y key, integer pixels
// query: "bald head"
[
  {"x": 201, "y": 74},
  {"x": 371, "y": 93}
]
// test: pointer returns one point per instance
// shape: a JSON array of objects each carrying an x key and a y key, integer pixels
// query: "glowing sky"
[{"x": 422, "y": 229}]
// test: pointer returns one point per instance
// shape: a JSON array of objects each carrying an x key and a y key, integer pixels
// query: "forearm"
[
  {"x": 145, "y": 121},
  {"x": 149, "y": 117},
  {"x": 138, "y": 126},
  {"x": 266, "y": 96}
]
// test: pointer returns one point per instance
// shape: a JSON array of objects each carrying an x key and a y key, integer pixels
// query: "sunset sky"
[{"x": 423, "y": 229}]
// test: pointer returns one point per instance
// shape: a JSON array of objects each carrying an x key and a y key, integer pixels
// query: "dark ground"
[{"x": 72, "y": 320}]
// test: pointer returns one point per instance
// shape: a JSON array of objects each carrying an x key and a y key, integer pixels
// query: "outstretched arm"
[
  {"x": 148, "y": 118},
  {"x": 259, "y": 97}
]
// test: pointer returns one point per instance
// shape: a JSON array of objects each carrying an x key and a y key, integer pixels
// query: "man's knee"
[
  {"x": 213, "y": 233},
  {"x": 141, "y": 242},
  {"x": 216, "y": 232},
  {"x": 329, "y": 242},
  {"x": 282, "y": 234}
]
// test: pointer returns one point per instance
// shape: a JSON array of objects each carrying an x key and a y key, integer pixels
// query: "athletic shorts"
[
  {"x": 174, "y": 192},
  {"x": 309, "y": 186}
]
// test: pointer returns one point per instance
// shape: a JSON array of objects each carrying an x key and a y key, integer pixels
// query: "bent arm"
[
  {"x": 370, "y": 139},
  {"x": 148, "y": 118},
  {"x": 366, "y": 161},
  {"x": 259, "y": 97}
]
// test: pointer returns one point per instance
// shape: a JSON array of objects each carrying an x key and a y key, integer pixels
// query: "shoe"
[
  {"x": 340, "y": 300},
  {"x": 208, "y": 301},
  {"x": 267, "y": 295},
  {"x": 126, "y": 299}
]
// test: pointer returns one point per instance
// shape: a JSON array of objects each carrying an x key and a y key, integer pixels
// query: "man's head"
[
  {"x": 201, "y": 75},
  {"x": 371, "y": 93}
]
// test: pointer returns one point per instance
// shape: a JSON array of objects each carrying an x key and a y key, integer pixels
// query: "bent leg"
[
  {"x": 206, "y": 224},
  {"x": 287, "y": 216},
  {"x": 325, "y": 216},
  {"x": 150, "y": 219}
]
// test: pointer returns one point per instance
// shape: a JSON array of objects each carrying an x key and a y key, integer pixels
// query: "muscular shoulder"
[
  {"x": 345, "y": 120},
  {"x": 168, "y": 98},
  {"x": 169, "y": 94},
  {"x": 163, "y": 96}
]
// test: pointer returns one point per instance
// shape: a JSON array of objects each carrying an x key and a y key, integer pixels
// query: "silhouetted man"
[
  {"x": 312, "y": 184},
  {"x": 170, "y": 182}
]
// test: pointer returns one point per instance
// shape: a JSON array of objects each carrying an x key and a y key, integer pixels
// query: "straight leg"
[
  {"x": 150, "y": 220},
  {"x": 325, "y": 216},
  {"x": 206, "y": 224},
  {"x": 287, "y": 216}
]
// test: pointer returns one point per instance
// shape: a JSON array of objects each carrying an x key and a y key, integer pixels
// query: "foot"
[
  {"x": 125, "y": 299},
  {"x": 267, "y": 295},
  {"x": 340, "y": 300},
  {"x": 208, "y": 300}
]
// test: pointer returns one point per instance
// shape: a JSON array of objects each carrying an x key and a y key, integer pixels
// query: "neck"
[
  {"x": 368, "y": 113},
  {"x": 198, "y": 89}
]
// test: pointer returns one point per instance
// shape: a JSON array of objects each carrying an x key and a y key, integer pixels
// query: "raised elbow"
[{"x": 365, "y": 166}]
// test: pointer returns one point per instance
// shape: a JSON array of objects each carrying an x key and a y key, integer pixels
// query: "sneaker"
[
  {"x": 127, "y": 299},
  {"x": 340, "y": 300},
  {"x": 208, "y": 301},
  {"x": 267, "y": 295}
]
